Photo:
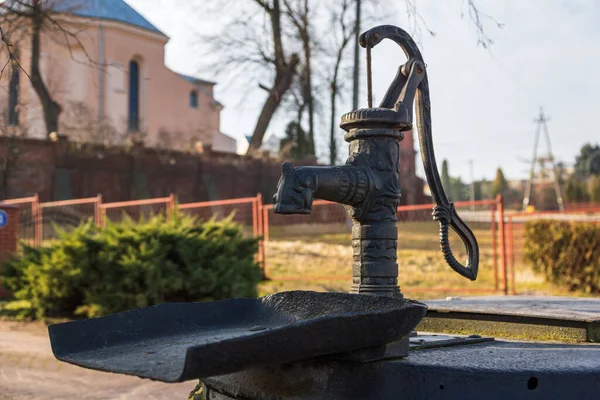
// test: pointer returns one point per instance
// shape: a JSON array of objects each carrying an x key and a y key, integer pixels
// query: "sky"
[{"x": 484, "y": 102}]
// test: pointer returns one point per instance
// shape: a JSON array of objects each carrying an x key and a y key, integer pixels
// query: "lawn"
[{"x": 312, "y": 257}]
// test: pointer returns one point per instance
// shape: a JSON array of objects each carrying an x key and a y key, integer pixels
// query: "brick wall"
[
  {"x": 63, "y": 170},
  {"x": 8, "y": 236}
]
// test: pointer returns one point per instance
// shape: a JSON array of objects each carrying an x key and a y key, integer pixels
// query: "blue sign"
[{"x": 3, "y": 218}]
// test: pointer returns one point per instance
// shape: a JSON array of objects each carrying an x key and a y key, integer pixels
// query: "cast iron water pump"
[
  {"x": 316, "y": 346},
  {"x": 368, "y": 184},
  {"x": 238, "y": 346}
]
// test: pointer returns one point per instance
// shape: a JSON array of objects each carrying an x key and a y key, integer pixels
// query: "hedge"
[
  {"x": 93, "y": 271},
  {"x": 567, "y": 253}
]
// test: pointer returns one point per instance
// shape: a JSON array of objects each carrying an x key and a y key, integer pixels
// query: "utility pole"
[
  {"x": 472, "y": 186},
  {"x": 356, "y": 56},
  {"x": 542, "y": 123}
]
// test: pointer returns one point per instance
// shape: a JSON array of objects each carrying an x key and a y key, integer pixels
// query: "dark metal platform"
[
  {"x": 491, "y": 370},
  {"x": 182, "y": 341}
]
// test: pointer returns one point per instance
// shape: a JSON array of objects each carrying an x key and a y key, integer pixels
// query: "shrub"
[
  {"x": 94, "y": 271},
  {"x": 565, "y": 252}
]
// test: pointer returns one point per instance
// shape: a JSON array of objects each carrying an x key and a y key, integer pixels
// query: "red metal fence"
[
  {"x": 29, "y": 219},
  {"x": 137, "y": 210},
  {"x": 40, "y": 222},
  {"x": 316, "y": 247},
  {"x": 289, "y": 239},
  {"x": 515, "y": 233},
  {"x": 66, "y": 215},
  {"x": 245, "y": 211}
]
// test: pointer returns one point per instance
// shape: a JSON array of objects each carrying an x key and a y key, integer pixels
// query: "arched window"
[
  {"x": 134, "y": 96},
  {"x": 13, "y": 97},
  {"x": 194, "y": 99}
]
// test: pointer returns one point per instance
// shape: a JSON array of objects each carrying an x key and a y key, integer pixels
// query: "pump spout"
[{"x": 298, "y": 186}]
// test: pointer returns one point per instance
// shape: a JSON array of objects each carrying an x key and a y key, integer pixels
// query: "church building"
[{"x": 110, "y": 78}]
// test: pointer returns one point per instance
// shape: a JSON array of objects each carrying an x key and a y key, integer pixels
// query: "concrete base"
[
  {"x": 490, "y": 370},
  {"x": 499, "y": 369}
]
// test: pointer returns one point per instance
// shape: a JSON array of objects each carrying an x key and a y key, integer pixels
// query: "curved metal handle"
[{"x": 444, "y": 211}]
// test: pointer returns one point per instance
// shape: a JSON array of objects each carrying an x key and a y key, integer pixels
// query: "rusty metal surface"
[{"x": 176, "y": 342}]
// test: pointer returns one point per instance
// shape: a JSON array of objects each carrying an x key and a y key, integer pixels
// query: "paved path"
[{"x": 28, "y": 370}]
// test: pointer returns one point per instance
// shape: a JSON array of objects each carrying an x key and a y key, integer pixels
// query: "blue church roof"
[
  {"x": 195, "y": 80},
  {"x": 114, "y": 10}
]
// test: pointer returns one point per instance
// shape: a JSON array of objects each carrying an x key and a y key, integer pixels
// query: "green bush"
[
  {"x": 94, "y": 271},
  {"x": 566, "y": 253}
]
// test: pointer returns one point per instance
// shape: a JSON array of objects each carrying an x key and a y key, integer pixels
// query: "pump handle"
[{"x": 399, "y": 95}]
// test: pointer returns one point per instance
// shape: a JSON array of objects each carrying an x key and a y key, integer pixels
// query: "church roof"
[
  {"x": 200, "y": 83},
  {"x": 194, "y": 80},
  {"x": 114, "y": 10}
]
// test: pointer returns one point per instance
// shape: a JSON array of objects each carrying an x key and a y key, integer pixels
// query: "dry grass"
[{"x": 300, "y": 260}]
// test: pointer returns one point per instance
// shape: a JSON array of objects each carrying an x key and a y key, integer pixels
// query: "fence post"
[
  {"x": 494, "y": 247},
  {"x": 510, "y": 254},
  {"x": 259, "y": 213},
  {"x": 500, "y": 203},
  {"x": 102, "y": 215},
  {"x": 255, "y": 217},
  {"x": 266, "y": 223},
  {"x": 170, "y": 206},
  {"x": 97, "y": 211},
  {"x": 265, "y": 219},
  {"x": 37, "y": 220},
  {"x": 262, "y": 228}
]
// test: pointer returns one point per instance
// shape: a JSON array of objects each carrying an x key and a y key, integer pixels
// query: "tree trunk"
[
  {"x": 10, "y": 159},
  {"x": 308, "y": 95},
  {"x": 50, "y": 107},
  {"x": 332, "y": 142},
  {"x": 334, "y": 93},
  {"x": 275, "y": 16},
  {"x": 4, "y": 176},
  {"x": 283, "y": 81},
  {"x": 301, "y": 143},
  {"x": 284, "y": 74}
]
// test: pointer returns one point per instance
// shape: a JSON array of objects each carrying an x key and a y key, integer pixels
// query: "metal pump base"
[{"x": 485, "y": 370}]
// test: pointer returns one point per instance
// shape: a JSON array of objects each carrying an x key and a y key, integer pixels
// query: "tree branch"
[
  {"x": 11, "y": 55},
  {"x": 476, "y": 16}
]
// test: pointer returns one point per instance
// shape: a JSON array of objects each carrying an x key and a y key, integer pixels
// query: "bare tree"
[
  {"x": 170, "y": 143},
  {"x": 299, "y": 13},
  {"x": 10, "y": 147},
  {"x": 256, "y": 41},
  {"x": 477, "y": 17},
  {"x": 79, "y": 124},
  {"x": 279, "y": 39},
  {"x": 10, "y": 153},
  {"x": 344, "y": 31},
  {"x": 416, "y": 22},
  {"x": 26, "y": 20}
]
